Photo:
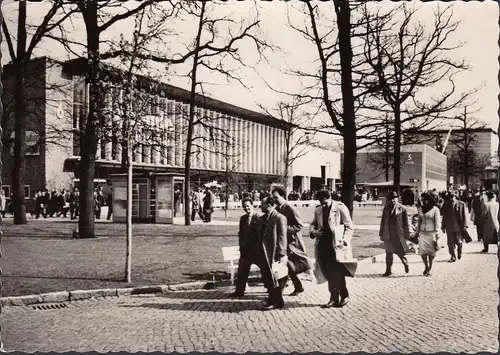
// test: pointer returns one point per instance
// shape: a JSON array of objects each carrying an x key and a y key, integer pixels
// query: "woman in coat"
[
  {"x": 429, "y": 222},
  {"x": 490, "y": 231},
  {"x": 394, "y": 232}
]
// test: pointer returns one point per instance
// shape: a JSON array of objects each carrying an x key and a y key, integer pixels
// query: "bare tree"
[
  {"x": 335, "y": 86},
  {"x": 405, "y": 60},
  {"x": 212, "y": 55},
  {"x": 20, "y": 57},
  {"x": 466, "y": 161},
  {"x": 97, "y": 20},
  {"x": 1, "y": 151},
  {"x": 300, "y": 133}
]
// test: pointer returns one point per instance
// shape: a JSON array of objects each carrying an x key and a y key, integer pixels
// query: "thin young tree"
[
  {"x": 300, "y": 134},
  {"x": 406, "y": 58},
  {"x": 1, "y": 163},
  {"x": 52, "y": 20},
  {"x": 212, "y": 55}
]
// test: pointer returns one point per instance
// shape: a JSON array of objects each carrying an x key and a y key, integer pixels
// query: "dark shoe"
[
  {"x": 330, "y": 304},
  {"x": 452, "y": 260},
  {"x": 342, "y": 302},
  {"x": 266, "y": 302},
  {"x": 429, "y": 273},
  {"x": 484, "y": 251},
  {"x": 274, "y": 306},
  {"x": 387, "y": 273},
  {"x": 296, "y": 292},
  {"x": 426, "y": 271},
  {"x": 459, "y": 254},
  {"x": 236, "y": 295},
  {"x": 407, "y": 267}
]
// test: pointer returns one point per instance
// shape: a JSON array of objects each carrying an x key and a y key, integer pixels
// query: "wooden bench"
[{"x": 232, "y": 255}]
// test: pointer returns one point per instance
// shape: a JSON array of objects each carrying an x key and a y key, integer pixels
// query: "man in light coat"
[
  {"x": 491, "y": 225},
  {"x": 394, "y": 232},
  {"x": 296, "y": 250},
  {"x": 324, "y": 228}
]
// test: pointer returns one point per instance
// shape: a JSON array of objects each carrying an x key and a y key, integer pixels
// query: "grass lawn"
[{"x": 42, "y": 257}]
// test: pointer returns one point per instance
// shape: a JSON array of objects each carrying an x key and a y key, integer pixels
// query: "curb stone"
[{"x": 76, "y": 295}]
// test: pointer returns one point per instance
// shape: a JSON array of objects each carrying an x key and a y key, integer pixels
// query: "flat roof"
[
  {"x": 446, "y": 130},
  {"x": 404, "y": 148},
  {"x": 77, "y": 66}
]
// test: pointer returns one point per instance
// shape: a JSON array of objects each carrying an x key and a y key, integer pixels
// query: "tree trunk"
[
  {"x": 187, "y": 158},
  {"x": 128, "y": 256},
  {"x": 397, "y": 149},
  {"x": 89, "y": 137},
  {"x": 349, "y": 131},
  {"x": 19, "y": 167}
]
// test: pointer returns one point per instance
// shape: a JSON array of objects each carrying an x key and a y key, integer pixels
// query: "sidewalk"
[{"x": 454, "y": 310}]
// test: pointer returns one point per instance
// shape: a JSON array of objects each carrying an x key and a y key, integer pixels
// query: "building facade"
[
  {"x": 227, "y": 141},
  {"x": 315, "y": 168},
  {"x": 484, "y": 146},
  {"x": 422, "y": 167}
]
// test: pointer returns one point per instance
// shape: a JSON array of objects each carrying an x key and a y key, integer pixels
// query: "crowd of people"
[{"x": 275, "y": 238}]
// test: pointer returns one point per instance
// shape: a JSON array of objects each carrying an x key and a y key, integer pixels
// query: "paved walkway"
[{"x": 454, "y": 310}]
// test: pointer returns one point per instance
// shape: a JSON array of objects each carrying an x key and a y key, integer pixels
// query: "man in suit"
[
  {"x": 454, "y": 222},
  {"x": 250, "y": 246},
  {"x": 273, "y": 240},
  {"x": 394, "y": 232},
  {"x": 327, "y": 217},
  {"x": 296, "y": 250}
]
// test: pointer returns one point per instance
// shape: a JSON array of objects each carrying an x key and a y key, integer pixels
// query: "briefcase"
[{"x": 466, "y": 236}]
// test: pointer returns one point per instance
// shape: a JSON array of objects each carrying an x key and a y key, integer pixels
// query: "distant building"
[
  {"x": 422, "y": 167},
  {"x": 315, "y": 168},
  {"x": 57, "y": 100},
  {"x": 486, "y": 146}
]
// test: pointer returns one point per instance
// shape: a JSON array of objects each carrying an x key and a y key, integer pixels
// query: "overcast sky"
[{"x": 478, "y": 29}]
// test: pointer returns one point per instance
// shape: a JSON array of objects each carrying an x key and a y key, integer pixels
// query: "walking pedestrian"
[
  {"x": 273, "y": 230},
  {"x": 491, "y": 226},
  {"x": 195, "y": 204},
  {"x": 478, "y": 213},
  {"x": 454, "y": 224},
  {"x": 109, "y": 202},
  {"x": 208, "y": 205},
  {"x": 296, "y": 249},
  {"x": 429, "y": 222},
  {"x": 3, "y": 203},
  {"x": 394, "y": 232},
  {"x": 250, "y": 246},
  {"x": 327, "y": 217}
]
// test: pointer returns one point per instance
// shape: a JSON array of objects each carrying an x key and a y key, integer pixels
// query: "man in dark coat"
[
  {"x": 208, "y": 205},
  {"x": 394, "y": 232},
  {"x": 296, "y": 250},
  {"x": 250, "y": 246},
  {"x": 272, "y": 231},
  {"x": 479, "y": 213},
  {"x": 454, "y": 222}
]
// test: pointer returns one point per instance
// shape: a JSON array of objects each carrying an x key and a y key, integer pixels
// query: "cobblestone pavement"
[{"x": 454, "y": 310}]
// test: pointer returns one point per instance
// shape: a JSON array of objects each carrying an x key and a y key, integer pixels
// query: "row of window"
[{"x": 6, "y": 189}]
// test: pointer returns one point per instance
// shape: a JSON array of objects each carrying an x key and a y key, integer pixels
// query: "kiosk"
[{"x": 156, "y": 198}]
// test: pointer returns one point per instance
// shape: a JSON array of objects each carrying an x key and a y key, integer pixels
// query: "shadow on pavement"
[
  {"x": 230, "y": 306},
  {"x": 375, "y": 276},
  {"x": 212, "y": 295}
]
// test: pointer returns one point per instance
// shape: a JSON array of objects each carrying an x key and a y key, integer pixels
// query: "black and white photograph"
[{"x": 249, "y": 176}]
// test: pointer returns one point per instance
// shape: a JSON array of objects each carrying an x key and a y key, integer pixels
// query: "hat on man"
[{"x": 393, "y": 194}]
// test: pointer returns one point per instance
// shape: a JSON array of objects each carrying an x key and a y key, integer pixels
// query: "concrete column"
[{"x": 170, "y": 120}]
